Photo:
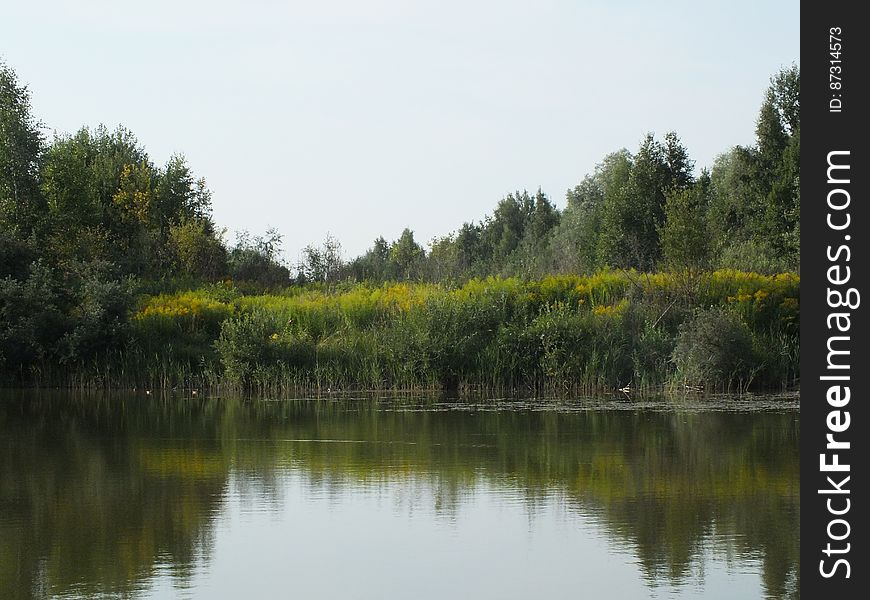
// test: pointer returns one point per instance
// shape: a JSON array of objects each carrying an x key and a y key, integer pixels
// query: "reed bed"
[{"x": 719, "y": 331}]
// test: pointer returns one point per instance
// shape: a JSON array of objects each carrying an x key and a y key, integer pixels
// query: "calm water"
[{"x": 135, "y": 497}]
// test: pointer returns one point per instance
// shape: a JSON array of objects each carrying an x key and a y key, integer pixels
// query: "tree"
[
  {"x": 442, "y": 263},
  {"x": 755, "y": 200},
  {"x": 21, "y": 148},
  {"x": 786, "y": 87},
  {"x": 322, "y": 263},
  {"x": 545, "y": 216},
  {"x": 575, "y": 241},
  {"x": 504, "y": 229},
  {"x": 100, "y": 193},
  {"x": 684, "y": 235},
  {"x": 531, "y": 258},
  {"x": 137, "y": 233},
  {"x": 633, "y": 212},
  {"x": 179, "y": 196},
  {"x": 258, "y": 259},
  {"x": 197, "y": 251},
  {"x": 771, "y": 137},
  {"x": 374, "y": 264},
  {"x": 406, "y": 256},
  {"x": 779, "y": 157},
  {"x": 470, "y": 252}
]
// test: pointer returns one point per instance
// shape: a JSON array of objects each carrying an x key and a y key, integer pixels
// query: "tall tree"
[
  {"x": 21, "y": 147},
  {"x": 374, "y": 265},
  {"x": 684, "y": 233},
  {"x": 322, "y": 263},
  {"x": 406, "y": 256},
  {"x": 633, "y": 210}
]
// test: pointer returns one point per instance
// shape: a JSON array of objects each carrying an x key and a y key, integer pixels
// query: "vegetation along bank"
[{"x": 113, "y": 272}]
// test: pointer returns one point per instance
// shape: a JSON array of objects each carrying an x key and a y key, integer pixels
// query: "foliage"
[
  {"x": 714, "y": 347},
  {"x": 321, "y": 264},
  {"x": 560, "y": 333},
  {"x": 197, "y": 250},
  {"x": 633, "y": 212},
  {"x": 44, "y": 321},
  {"x": 21, "y": 149},
  {"x": 113, "y": 270},
  {"x": 669, "y": 487},
  {"x": 257, "y": 259},
  {"x": 684, "y": 235},
  {"x": 256, "y": 343}
]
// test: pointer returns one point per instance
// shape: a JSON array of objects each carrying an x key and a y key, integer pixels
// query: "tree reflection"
[{"x": 96, "y": 494}]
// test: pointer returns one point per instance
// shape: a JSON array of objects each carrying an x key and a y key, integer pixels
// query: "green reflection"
[{"x": 97, "y": 493}]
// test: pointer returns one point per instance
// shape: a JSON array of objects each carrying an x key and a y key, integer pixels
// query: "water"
[{"x": 141, "y": 497}]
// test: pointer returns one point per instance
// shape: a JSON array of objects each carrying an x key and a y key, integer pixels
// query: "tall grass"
[{"x": 561, "y": 334}]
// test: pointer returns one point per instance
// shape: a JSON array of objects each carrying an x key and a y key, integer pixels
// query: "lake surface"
[{"x": 139, "y": 497}]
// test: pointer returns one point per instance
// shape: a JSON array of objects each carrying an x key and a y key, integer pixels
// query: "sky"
[{"x": 360, "y": 118}]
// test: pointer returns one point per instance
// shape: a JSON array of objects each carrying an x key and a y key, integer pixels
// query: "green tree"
[
  {"x": 31, "y": 319},
  {"x": 684, "y": 235},
  {"x": 257, "y": 259},
  {"x": 470, "y": 249},
  {"x": 443, "y": 262},
  {"x": 504, "y": 229},
  {"x": 532, "y": 258},
  {"x": 374, "y": 265},
  {"x": 575, "y": 242},
  {"x": 755, "y": 197},
  {"x": 21, "y": 148},
  {"x": 179, "y": 196},
  {"x": 91, "y": 216},
  {"x": 323, "y": 263},
  {"x": 196, "y": 250},
  {"x": 632, "y": 213},
  {"x": 406, "y": 256}
]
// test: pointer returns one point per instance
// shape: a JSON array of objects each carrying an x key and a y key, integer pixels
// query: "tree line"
[
  {"x": 643, "y": 210},
  {"x": 88, "y": 222}
]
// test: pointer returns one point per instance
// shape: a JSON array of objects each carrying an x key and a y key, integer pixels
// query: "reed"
[{"x": 561, "y": 334}]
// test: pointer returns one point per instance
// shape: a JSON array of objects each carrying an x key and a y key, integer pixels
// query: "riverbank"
[{"x": 720, "y": 331}]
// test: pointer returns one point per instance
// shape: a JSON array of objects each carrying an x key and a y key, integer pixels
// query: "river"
[{"x": 138, "y": 496}]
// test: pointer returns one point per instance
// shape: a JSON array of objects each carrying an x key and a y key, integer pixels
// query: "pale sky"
[{"x": 360, "y": 118}]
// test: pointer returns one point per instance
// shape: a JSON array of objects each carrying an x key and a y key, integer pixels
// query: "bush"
[
  {"x": 752, "y": 256},
  {"x": 560, "y": 334},
  {"x": 714, "y": 348},
  {"x": 100, "y": 317},
  {"x": 256, "y": 348},
  {"x": 30, "y": 319},
  {"x": 584, "y": 349},
  {"x": 652, "y": 356}
]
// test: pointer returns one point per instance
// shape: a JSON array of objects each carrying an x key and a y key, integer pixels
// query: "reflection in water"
[{"x": 136, "y": 497}]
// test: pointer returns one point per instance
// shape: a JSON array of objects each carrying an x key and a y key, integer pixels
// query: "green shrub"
[
  {"x": 100, "y": 317},
  {"x": 256, "y": 348},
  {"x": 560, "y": 334},
  {"x": 714, "y": 348},
  {"x": 584, "y": 349},
  {"x": 651, "y": 356},
  {"x": 30, "y": 319},
  {"x": 752, "y": 256}
]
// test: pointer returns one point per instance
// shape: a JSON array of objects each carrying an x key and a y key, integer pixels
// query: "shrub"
[
  {"x": 30, "y": 319},
  {"x": 714, "y": 348},
  {"x": 559, "y": 334},
  {"x": 753, "y": 256},
  {"x": 243, "y": 342},
  {"x": 584, "y": 349},
  {"x": 99, "y": 317},
  {"x": 651, "y": 356}
]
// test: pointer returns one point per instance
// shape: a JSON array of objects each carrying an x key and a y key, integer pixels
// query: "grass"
[{"x": 561, "y": 334}]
